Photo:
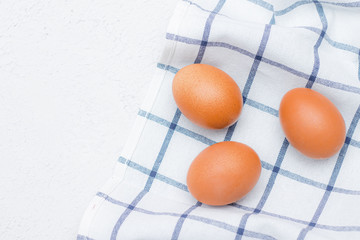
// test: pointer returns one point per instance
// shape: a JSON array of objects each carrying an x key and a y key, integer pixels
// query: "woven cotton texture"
[{"x": 268, "y": 49}]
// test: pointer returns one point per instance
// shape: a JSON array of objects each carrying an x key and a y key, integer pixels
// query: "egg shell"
[
  {"x": 223, "y": 173},
  {"x": 312, "y": 123},
  {"x": 207, "y": 96}
]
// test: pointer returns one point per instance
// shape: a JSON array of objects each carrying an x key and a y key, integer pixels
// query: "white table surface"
[{"x": 72, "y": 76}]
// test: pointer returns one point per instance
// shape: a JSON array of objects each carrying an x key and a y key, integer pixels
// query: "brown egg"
[
  {"x": 207, "y": 96},
  {"x": 312, "y": 123},
  {"x": 223, "y": 173}
]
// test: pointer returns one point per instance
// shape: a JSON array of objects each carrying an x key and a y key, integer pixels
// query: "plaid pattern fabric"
[{"x": 268, "y": 48}]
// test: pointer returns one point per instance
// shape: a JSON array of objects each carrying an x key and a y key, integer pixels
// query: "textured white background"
[{"x": 72, "y": 76}]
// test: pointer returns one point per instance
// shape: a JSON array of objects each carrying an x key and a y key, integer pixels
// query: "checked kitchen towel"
[{"x": 268, "y": 48}]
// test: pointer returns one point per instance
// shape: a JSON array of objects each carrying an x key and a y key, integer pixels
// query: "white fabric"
[{"x": 269, "y": 49}]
